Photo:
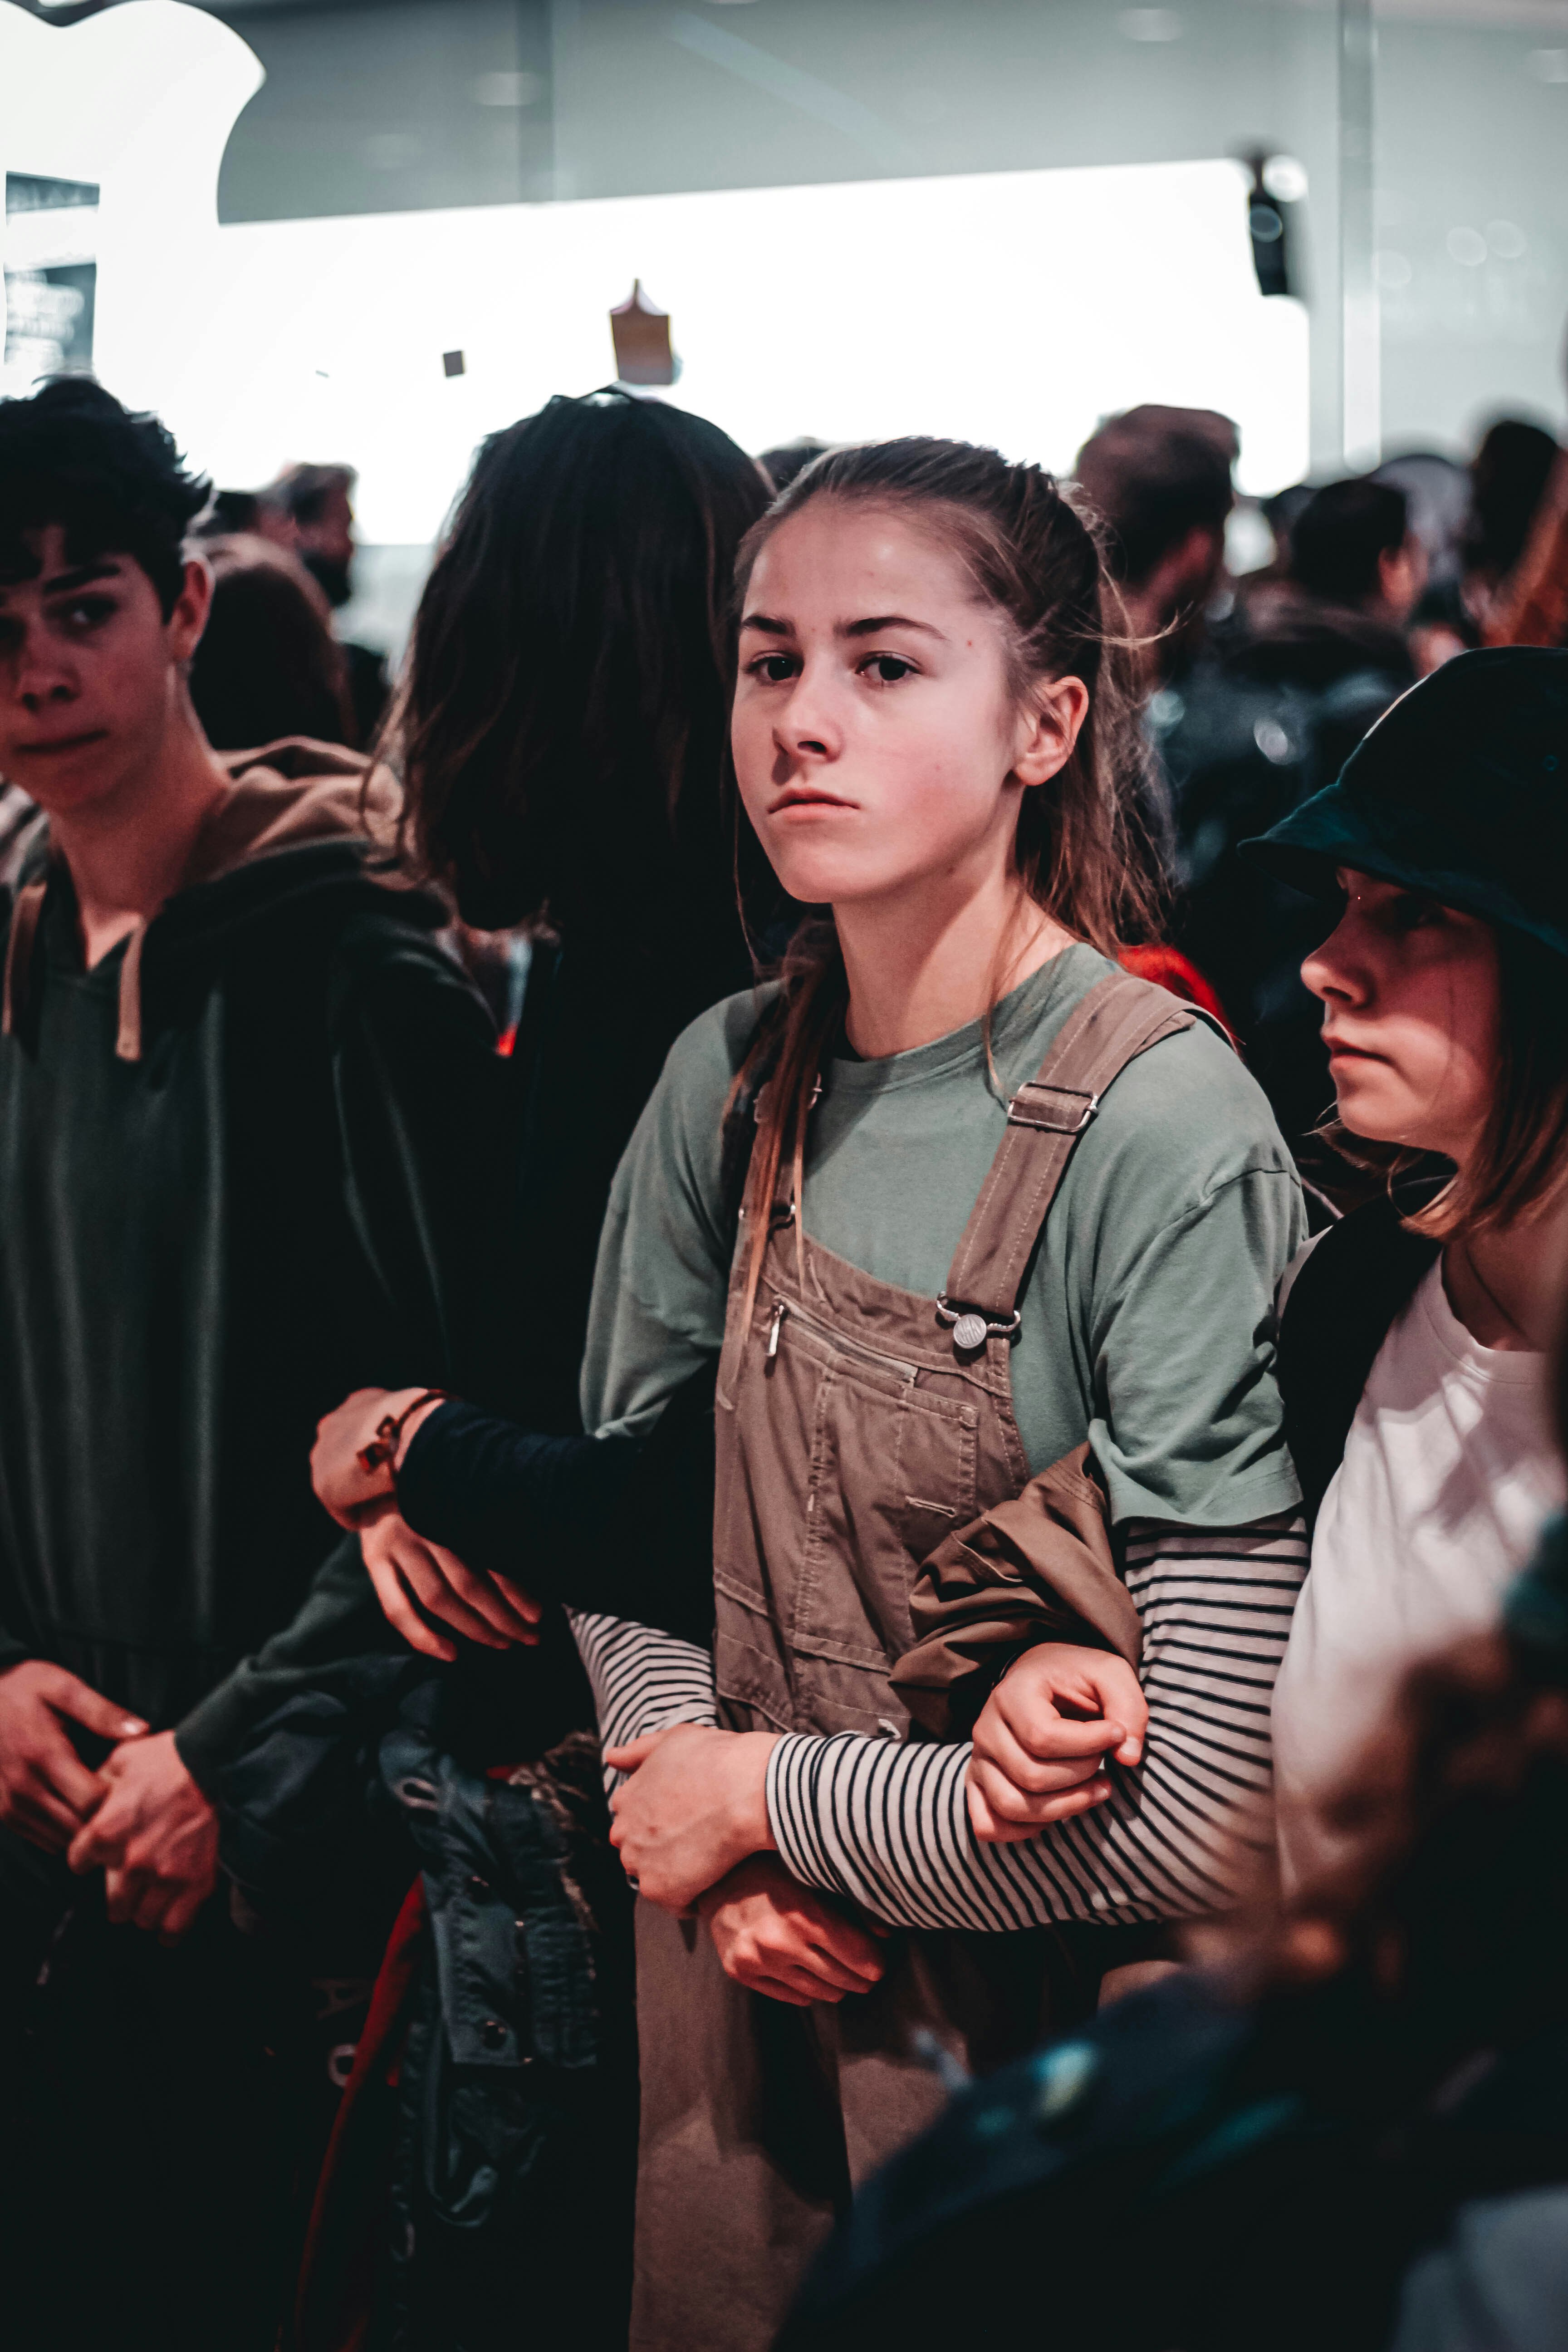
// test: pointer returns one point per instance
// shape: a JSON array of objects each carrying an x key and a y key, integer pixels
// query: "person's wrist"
[
  {"x": 754, "y": 1823},
  {"x": 413, "y": 1424}
]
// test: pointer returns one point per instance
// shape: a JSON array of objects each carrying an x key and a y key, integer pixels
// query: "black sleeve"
[
  {"x": 617, "y": 1525},
  {"x": 501, "y": 1496},
  {"x": 338, "y": 1618}
]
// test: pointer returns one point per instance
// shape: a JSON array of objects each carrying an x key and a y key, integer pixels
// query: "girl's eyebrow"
[
  {"x": 878, "y": 621},
  {"x": 768, "y": 626}
]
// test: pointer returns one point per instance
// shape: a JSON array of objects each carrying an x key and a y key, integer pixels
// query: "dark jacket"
[
  {"x": 482, "y": 2162},
  {"x": 1190, "y": 2171},
  {"x": 256, "y": 1158}
]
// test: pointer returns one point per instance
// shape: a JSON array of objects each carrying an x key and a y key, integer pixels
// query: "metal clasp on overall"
[
  {"x": 1023, "y": 1112},
  {"x": 971, "y": 1330}
]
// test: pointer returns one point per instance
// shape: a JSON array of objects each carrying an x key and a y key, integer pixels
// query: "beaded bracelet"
[{"x": 383, "y": 1446}]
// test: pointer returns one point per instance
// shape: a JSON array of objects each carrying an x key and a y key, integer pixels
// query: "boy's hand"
[
  {"x": 783, "y": 1939},
  {"x": 45, "y": 1790},
  {"x": 155, "y": 1836},
  {"x": 1044, "y": 1738}
]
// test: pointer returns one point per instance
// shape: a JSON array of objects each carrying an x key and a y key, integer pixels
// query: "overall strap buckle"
[
  {"x": 1032, "y": 1106},
  {"x": 970, "y": 1329}
]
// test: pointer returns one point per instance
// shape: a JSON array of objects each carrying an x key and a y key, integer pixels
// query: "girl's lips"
[{"x": 807, "y": 804}]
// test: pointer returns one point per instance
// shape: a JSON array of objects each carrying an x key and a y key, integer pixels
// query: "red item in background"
[
  {"x": 348, "y": 2218},
  {"x": 1168, "y": 967}
]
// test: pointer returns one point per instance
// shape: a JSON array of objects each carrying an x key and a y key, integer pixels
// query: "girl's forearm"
[{"x": 887, "y": 1825}]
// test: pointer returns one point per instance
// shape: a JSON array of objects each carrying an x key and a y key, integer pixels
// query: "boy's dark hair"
[
  {"x": 69, "y": 454},
  {"x": 1340, "y": 533},
  {"x": 1153, "y": 476}
]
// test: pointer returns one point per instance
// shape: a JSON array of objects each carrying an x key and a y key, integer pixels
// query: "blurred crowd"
[
  {"x": 593, "y": 1749},
  {"x": 1257, "y": 682}
]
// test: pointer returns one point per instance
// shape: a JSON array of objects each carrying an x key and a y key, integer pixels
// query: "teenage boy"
[{"x": 252, "y": 1152}]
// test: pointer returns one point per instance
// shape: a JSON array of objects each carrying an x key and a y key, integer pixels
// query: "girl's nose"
[{"x": 1334, "y": 970}]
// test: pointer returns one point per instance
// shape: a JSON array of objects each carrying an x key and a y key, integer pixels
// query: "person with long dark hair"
[{"x": 560, "y": 737}]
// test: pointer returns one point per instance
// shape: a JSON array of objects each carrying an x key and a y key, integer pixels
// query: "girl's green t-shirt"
[{"x": 1148, "y": 1324}]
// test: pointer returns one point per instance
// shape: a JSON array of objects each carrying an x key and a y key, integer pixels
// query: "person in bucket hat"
[
  {"x": 1460, "y": 791},
  {"x": 1412, "y": 1333}
]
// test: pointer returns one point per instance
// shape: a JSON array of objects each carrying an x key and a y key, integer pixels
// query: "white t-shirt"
[{"x": 1448, "y": 1472}]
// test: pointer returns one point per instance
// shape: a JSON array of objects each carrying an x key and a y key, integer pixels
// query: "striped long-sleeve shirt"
[{"x": 885, "y": 1822}]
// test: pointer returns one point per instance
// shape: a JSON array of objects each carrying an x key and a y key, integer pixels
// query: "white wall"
[{"x": 1011, "y": 308}]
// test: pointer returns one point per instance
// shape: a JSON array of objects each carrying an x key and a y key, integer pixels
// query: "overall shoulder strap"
[
  {"x": 1358, "y": 1278},
  {"x": 1119, "y": 1018}
]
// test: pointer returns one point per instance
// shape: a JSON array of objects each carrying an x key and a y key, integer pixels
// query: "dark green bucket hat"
[{"x": 1460, "y": 790}]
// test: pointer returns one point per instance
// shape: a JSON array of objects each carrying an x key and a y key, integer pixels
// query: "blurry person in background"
[
  {"x": 1504, "y": 484},
  {"x": 318, "y": 503},
  {"x": 1508, "y": 476},
  {"x": 1438, "y": 495},
  {"x": 1160, "y": 480},
  {"x": 1355, "y": 573},
  {"x": 782, "y": 464},
  {"x": 1315, "y": 654},
  {"x": 251, "y": 1152},
  {"x": 268, "y": 664},
  {"x": 1531, "y": 607}
]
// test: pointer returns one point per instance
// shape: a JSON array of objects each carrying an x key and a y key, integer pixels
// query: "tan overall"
[{"x": 857, "y": 1425}]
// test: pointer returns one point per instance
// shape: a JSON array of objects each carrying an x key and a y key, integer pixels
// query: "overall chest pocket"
[{"x": 892, "y": 1469}]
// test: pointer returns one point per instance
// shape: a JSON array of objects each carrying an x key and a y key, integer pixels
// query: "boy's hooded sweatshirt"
[{"x": 257, "y": 1157}]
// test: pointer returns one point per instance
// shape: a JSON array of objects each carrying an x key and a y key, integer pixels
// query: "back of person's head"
[
  {"x": 268, "y": 664},
  {"x": 1508, "y": 479},
  {"x": 304, "y": 492},
  {"x": 1341, "y": 535},
  {"x": 114, "y": 482},
  {"x": 1155, "y": 475},
  {"x": 780, "y": 465},
  {"x": 563, "y": 720}
]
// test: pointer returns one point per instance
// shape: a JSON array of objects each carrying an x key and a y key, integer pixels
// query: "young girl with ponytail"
[{"x": 1003, "y": 1203}]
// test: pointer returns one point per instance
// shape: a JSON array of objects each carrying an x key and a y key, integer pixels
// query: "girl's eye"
[
  {"x": 774, "y": 669},
  {"x": 1412, "y": 911},
  {"x": 886, "y": 670}
]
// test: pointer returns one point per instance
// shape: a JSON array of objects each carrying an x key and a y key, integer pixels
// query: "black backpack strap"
[{"x": 1337, "y": 1316}]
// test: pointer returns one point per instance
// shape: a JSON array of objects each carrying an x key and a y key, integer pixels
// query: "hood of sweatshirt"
[{"x": 300, "y": 819}]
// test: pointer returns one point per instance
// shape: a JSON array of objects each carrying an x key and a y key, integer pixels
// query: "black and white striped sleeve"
[
  {"x": 887, "y": 1824},
  {"x": 641, "y": 1679}
]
